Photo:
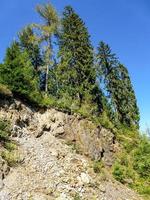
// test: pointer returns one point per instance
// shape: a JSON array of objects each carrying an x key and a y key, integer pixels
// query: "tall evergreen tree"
[
  {"x": 18, "y": 74},
  {"x": 28, "y": 42},
  {"x": 76, "y": 72},
  {"x": 123, "y": 93},
  {"x": 107, "y": 61},
  {"x": 117, "y": 87}
]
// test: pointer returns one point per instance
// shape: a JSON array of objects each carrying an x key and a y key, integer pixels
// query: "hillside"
[
  {"x": 54, "y": 157},
  {"x": 69, "y": 116}
]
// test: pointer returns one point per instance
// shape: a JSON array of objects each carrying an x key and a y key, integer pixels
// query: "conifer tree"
[
  {"x": 107, "y": 61},
  {"x": 117, "y": 87},
  {"x": 28, "y": 42},
  {"x": 76, "y": 72},
  {"x": 18, "y": 74},
  {"x": 123, "y": 93},
  {"x": 44, "y": 33}
]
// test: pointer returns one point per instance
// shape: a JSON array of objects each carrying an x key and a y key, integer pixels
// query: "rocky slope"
[{"x": 56, "y": 152}]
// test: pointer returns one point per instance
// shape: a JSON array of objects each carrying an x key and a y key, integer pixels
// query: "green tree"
[
  {"x": 124, "y": 95},
  {"x": 44, "y": 34},
  {"x": 76, "y": 73},
  {"x": 117, "y": 87},
  {"x": 18, "y": 74},
  {"x": 28, "y": 42},
  {"x": 106, "y": 62}
]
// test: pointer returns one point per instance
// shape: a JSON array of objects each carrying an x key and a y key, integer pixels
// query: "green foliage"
[
  {"x": 11, "y": 157},
  {"x": 28, "y": 43},
  {"x": 7, "y": 154},
  {"x": 18, "y": 74},
  {"x": 142, "y": 158},
  {"x": 119, "y": 173},
  {"x": 75, "y": 72},
  {"x": 77, "y": 197},
  {"x": 4, "y": 91},
  {"x": 133, "y": 163},
  {"x": 124, "y": 97},
  {"x": 43, "y": 35},
  {"x": 117, "y": 87},
  {"x": 97, "y": 166},
  {"x": 104, "y": 120},
  {"x": 10, "y": 146},
  {"x": 4, "y": 131}
]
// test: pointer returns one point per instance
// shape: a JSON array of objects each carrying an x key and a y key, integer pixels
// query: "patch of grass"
[
  {"x": 4, "y": 131},
  {"x": 10, "y": 146},
  {"x": 119, "y": 173},
  {"x": 77, "y": 197},
  {"x": 5, "y": 91},
  {"x": 11, "y": 157},
  {"x": 8, "y": 153},
  {"x": 132, "y": 166},
  {"x": 97, "y": 166}
]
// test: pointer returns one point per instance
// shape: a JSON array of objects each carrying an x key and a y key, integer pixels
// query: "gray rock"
[{"x": 1, "y": 184}]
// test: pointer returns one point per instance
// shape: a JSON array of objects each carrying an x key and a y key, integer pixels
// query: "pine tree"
[
  {"x": 76, "y": 72},
  {"x": 117, "y": 87},
  {"x": 18, "y": 74},
  {"x": 126, "y": 104},
  {"x": 28, "y": 42},
  {"x": 107, "y": 61}
]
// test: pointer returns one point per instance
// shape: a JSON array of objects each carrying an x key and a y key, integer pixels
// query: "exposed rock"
[
  {"x": 84, "y": 178},
  {"x": 1, "y": 184},
  {"x": 95, "y": 142},
  {"x": 51, "y": 169},
  {"x": 4, "y": 170}
]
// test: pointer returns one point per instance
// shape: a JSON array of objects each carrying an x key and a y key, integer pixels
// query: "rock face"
[
  {"x": 92, "y": 141},
  {"x": 51, "y": 168},
  {"x": 4, "y": 170}
]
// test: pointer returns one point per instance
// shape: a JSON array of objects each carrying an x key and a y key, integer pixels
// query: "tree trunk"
[{"x": 46, "y": 82}]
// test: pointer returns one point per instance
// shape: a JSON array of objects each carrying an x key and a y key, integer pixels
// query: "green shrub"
[
  {"x": 11, "y": 157},
  {"x": 77, "y": 197},
  {"x": 10, "y": 146},
  {"x": 4, "y": 131},
  {"x": 4, "y": 91},
  {"x": 133, "y": 163},
  {"x": 119, "y": 172},
  {"x": 142, "y": 158},
  {"x": 97, "y": 166}
]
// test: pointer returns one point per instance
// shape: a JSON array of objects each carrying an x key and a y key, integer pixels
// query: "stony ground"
[{"x": 52, "y": 170}]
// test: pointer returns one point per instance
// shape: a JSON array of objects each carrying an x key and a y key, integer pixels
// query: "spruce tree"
[
  {"x": 117, "y": 87},
  {"x": 18, "y": 74},
  {"x": 76, "y": 72},
  {"x": 106, "y": 62},
  {"x": 123, "y": 93},
  {"x": 28, "y": 42}
]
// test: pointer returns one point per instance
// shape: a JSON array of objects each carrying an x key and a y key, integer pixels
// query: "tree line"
[{"x": 55, "y": 60}]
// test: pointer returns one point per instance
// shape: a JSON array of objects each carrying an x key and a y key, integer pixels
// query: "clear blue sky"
[{"x": 123, "y": 24}]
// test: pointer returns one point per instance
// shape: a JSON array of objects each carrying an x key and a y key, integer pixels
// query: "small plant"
[
  {"x": 10, "y": 146},
  {"x": 119, "y": 173},
  {"x": 142, "y": 158},
  {"x": 77, "y": 148},
  {"x": 77, "y": 197},
  {"x": 4, "y": 91},
  {"x": 97, "y": 166},
  {"x": 4, "y": 131},
  {"x": 12, "y": 157}
]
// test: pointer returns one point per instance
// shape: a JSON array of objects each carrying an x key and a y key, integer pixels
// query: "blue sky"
[{"x": 123, "y": 24}]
